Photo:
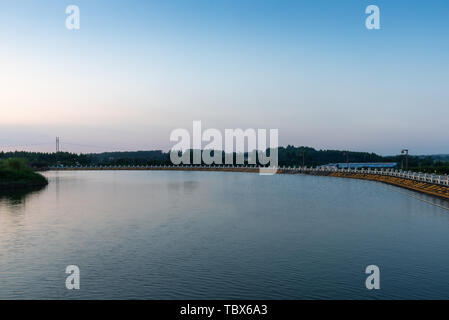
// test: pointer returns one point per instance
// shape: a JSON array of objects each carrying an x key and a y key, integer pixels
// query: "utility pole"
[
  {"x": 57, "y": 151},
  {"x": 303, "y": 156},
  {"x": 406, "y": 158},
  {"x": 347, "y": 158},
  {"x": 57, "y": 144}
]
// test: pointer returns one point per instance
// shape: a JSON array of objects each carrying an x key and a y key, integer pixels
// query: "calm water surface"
[{"x": 198, "y": 235}]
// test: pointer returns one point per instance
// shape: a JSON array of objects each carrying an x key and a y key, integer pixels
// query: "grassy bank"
[{"x": 15, "y": 173}]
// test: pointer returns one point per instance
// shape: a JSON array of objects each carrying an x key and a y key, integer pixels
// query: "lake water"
[{"x": 198, "y": 235}]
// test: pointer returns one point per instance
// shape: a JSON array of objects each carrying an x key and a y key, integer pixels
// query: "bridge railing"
[
  {"x": 415, "y": 176},
  {"x": 410, "y": 175}
]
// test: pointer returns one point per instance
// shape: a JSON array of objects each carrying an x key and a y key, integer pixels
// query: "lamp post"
[
  {"x": 347, "y": 159},
  {"x": 406, "y": 158}
]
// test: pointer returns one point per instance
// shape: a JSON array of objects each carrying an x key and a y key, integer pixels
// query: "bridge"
[{"x": 432, "y": 184}]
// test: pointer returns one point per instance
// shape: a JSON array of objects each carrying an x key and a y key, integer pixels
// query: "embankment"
[{"x": 419, "y": 186}]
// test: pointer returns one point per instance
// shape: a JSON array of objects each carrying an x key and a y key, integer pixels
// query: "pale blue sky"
[{"x": 138, "y": 69}]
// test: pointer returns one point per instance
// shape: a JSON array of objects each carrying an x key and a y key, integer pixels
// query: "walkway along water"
[{"x": 432, "y": 184}]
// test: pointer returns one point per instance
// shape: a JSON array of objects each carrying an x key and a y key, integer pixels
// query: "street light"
[
  {"x": 406, "y": 158},
  {"x": 347, "y": 158}
]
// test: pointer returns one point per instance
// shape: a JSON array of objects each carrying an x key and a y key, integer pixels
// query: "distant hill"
[
  {"x": 147, "y": 155},
  {"x": 439, "y": 157},
  {"x": 288, "y": 156}
]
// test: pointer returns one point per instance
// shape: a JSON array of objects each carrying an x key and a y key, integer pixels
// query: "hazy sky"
[{"x": 136, "y": 70}]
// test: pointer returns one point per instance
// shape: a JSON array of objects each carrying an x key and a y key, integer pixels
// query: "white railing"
[{"x": 415, "y": 176}]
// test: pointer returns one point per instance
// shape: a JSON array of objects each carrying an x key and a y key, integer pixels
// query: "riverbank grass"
[{"x": 15, "y": 173}]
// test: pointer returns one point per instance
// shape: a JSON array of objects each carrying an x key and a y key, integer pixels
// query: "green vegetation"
[
  {"x": 43, "y": 160},
  {"x": 15, "y": 173},
  {"x": 438, "y": 167},
  {"x": 288, "y": 156}
]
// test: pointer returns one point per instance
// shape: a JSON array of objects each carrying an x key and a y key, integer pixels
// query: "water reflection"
[
  {"x": 436, "y": 201},
  {"x": 186, "y": 187},
  {"x": 178, "y": 235},
  {"x": 16, "y": 197}
]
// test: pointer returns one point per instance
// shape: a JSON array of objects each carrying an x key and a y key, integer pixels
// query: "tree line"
[{"x": 287, "y": 156}]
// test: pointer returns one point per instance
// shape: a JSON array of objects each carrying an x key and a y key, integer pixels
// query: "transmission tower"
[{"x": 57, "y": 144}]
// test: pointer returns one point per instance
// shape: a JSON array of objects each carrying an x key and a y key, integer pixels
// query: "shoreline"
[
  {"x": 418, "y": 186},
  {"x": 21, "y": 185}
]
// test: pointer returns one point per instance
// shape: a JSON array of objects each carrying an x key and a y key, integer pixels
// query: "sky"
[{"x": 137, "y": 70}]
